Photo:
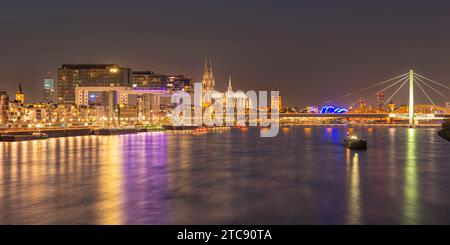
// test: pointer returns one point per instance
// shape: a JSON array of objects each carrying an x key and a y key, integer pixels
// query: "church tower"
[
  {"x": 208, "y": 82},
  {"x": 20, "y": 96},
  {"x": 230, "y": 88}
]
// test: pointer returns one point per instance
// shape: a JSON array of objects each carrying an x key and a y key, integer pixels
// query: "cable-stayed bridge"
[{"x": 411, "y": 80}]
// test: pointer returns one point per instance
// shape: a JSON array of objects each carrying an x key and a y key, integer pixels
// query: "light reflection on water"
[
  {"x": 411, "y": 211},
  {"x": 354, "y": 207},
  {"x": 304, "y": 176}
]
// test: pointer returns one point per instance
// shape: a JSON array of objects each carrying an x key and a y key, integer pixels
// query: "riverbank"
[
  {"x": 445, "y": 132},
  {"x": 51, "y": 132},
  {"x": 68, "y": 132},
  {"x": 81, "y": 131}
]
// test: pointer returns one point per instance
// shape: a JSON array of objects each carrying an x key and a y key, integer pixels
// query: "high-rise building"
[
  {"x": 176, "y": 83},
  {"x": 89, "y": 75},
  {"x": 380, "y": 100},
  {"x": 169, "y": 83},
  {"x": 4, "y": 108},
  {"x": 49, "y": 89},
  {"x": 148, "y": 105},
  {"x": 148, "y": 79}
]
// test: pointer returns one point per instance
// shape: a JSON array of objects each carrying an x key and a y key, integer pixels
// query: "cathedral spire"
[
  {"x": 211, "y": 74},
  {"x": 230, "y": 88},
  {"x": 208, "y": 82},
  {"x": 206, "y": 70}
]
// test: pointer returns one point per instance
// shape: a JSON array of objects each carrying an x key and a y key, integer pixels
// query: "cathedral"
[
  {"x": 209, "y": 91},
  {"x": 208, "y": 82}
]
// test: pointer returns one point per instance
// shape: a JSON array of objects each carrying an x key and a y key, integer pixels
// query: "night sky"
[{"x": 312, "y": 50}]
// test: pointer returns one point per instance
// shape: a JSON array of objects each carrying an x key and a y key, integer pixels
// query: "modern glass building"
[
  {"x": 49, "y": 90},
  {"x": 176, "y": 83},
  {"x": 169, "y": 83},
  {"x": 148, "y": 80},
  {"x": 89, "y": 75}
]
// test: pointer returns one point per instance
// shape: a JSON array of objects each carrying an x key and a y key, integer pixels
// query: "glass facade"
[
  {"x": 169, "y": 83},
  {"x": 176, "y": 83},
  {"x": 49, "y": 90},
  {"x": 149, "y": 80},
  {"x": 97, "y": 75}
]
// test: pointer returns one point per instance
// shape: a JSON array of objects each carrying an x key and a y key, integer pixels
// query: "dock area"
[{"x": 51, "y": 132}]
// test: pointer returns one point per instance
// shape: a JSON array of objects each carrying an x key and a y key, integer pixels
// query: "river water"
[{"x": 228, "y": 176}]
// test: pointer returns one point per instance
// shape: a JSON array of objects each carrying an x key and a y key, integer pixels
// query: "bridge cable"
[
  {"x": 432, "y": 81},
  {"x": 392, "y": 96},
  {"x": 420, "y": 80},
  {"x": 390, "y": 86},
  {"x": 423, "y": 90},
  {"x": 401, "y": 77}
]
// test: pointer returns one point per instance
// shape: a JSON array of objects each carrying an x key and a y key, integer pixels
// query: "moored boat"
[
  {"x": 23, "y": 137},
  {"x": 151, "y": 128},
  {"x": 353, "y": 142},
  {"x": 201, "y": 130}
]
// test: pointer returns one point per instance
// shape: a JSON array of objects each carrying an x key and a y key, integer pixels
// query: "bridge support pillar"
[{"x": 411, "y": 98}]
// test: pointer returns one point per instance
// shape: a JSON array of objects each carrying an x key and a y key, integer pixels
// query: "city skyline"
[
  {"x": 308, "y": 48},
  {"x": 50, "y": 94},
  {"x": 211, "y": 113}
]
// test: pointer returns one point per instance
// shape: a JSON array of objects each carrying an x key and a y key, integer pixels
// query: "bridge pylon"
[{"x": 411, "y": 99}]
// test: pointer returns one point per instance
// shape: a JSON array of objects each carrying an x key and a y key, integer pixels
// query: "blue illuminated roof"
[{"x": 332, "y": 110}]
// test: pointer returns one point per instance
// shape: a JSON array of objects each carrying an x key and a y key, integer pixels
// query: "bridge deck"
[{"x": 354, "y": 115}]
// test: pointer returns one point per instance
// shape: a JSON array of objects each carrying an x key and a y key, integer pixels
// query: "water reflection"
[
  {"x": 411, "y": 190},
  {"x": 110, "y": 183},
  {"x": 304, "y": 176},
  {"x": 307, "y": 131},
  {"x": 354, "y": 196},
  {"x": 145, "y": 181}
]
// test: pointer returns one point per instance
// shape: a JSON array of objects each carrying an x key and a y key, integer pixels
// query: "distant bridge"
[
  {"x": 362, "y": 115},
  {"x": 411, "y": 79},
  {"x": 346, "y": 115}
]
